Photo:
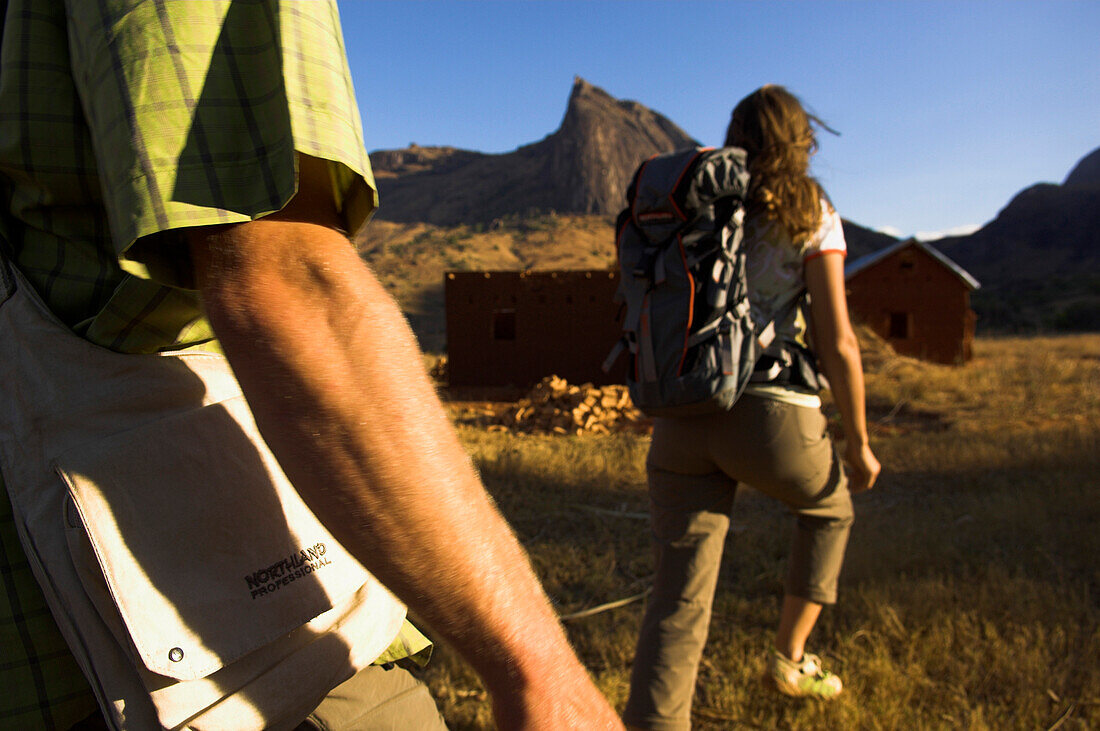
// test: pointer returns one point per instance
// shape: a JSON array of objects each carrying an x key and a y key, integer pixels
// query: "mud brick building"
[
  {"x": 508, "y": 327},
  {"x": 917, "y": 299}
]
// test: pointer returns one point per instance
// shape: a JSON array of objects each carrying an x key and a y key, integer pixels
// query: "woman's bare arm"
[{"x": 838, "y": 351}]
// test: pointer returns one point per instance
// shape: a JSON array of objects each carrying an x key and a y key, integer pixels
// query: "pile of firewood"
[{"x": 554, "y": 406}]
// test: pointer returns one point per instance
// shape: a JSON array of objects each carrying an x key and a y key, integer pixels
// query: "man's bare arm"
[{"x": 334, "y": 377}]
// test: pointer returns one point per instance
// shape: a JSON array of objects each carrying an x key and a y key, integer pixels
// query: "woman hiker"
[{"x": 774, "y": 438}]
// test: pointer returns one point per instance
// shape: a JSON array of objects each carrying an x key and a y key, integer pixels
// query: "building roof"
[{"x": 864, "y": 262}]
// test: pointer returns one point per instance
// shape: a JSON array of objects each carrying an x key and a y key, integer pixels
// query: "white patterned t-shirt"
[{"x": 775, "y": 269}]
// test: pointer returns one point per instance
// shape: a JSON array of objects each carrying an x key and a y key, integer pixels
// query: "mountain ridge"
[
  {"x": 1039, "y": 259},
  {"x": 582, "y": 167}
]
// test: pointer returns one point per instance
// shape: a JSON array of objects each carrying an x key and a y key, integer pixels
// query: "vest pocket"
[{"x": 192, "y": 544}]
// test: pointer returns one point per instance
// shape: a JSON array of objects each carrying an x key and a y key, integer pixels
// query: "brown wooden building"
[
  {"x": 515, "y": 328},
  {"x": 917, "y": 299}
]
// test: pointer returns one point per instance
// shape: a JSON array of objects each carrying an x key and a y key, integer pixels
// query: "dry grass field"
[{"x": 971, "y": 593}]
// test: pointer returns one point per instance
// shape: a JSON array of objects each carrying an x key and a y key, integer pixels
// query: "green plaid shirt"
[{"x": 121, "y": 122}]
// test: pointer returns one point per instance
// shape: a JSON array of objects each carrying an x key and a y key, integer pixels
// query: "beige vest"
[{"x": 193, "y": 585}]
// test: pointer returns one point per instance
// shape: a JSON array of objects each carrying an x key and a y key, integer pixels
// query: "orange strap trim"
[
  {"x": 681, "y": 177},
  {"x": 843, "y": 253},
  {"x": 691, "y": 304}
]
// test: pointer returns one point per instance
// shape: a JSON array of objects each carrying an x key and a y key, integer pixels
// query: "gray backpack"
[{"x": 692, "y": 343}]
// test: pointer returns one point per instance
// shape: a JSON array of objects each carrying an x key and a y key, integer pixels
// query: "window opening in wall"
[
  {"x": 504, "y": 324},
  {"x": 899, "y": 325},
  {"x": 907, "y": 263}
]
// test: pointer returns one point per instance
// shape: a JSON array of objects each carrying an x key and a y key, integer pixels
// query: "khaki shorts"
[{"x": 374, "y": 699}]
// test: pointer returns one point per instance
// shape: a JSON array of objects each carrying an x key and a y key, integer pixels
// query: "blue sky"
[{"x": 946, "y": 109}]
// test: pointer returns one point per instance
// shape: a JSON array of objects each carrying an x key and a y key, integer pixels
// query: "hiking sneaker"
[{"x": 803, "y": 679}]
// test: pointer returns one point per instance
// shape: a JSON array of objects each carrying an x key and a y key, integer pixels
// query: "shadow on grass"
[{"x": 582, "y": 501}]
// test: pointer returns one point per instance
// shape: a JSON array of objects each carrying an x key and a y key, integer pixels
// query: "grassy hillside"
[
  {"x": 971, "y": 594},
  {"x": 1069, "y": 303}
]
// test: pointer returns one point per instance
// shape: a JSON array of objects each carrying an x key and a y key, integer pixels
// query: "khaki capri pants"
[{"x": 694, "y": 466}]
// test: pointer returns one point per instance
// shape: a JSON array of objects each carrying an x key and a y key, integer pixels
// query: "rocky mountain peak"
[
  {"x": 582, "y": 167},
  {"x": 582, "y": 88},
  {"x": 600, "y": 143}
]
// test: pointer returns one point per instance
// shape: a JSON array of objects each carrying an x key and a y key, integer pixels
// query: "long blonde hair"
[{"x": 776, "y": 132}]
